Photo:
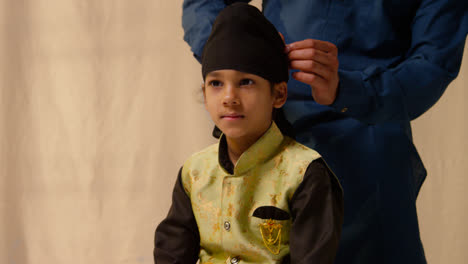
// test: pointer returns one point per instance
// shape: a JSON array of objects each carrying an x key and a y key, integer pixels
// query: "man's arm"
[
  {"x": 197, "y": 18},
  {"x": 177, "y": 239},
  {"x": 317, "y": 212},
  {"x": 402, "y": 92}
]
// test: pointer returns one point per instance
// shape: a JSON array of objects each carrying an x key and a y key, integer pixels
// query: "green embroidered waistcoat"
[{"x": 267, "y": 174}]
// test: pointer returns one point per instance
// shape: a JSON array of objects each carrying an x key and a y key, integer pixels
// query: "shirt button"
[
  {"x": 234, "y": 260},
  {"x": 344, "y": 109},
  {"x": 227, "y": 225}
]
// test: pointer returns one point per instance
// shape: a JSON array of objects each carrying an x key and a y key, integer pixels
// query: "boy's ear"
[{"x": 280, "y": 94}]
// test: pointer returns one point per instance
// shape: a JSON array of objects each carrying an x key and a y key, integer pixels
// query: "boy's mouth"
[{"x": 232, "y": 116}]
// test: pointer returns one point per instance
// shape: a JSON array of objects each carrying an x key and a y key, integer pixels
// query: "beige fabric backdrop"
[{"x": 99, "y": 106}]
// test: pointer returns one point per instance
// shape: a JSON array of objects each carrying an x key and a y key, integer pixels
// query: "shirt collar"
[{"x": 256, "y": 154}]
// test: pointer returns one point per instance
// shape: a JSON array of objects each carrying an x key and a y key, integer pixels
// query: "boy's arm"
[
  {"x": 317, "y": 211},
  {"x": 177, "y": 239}
]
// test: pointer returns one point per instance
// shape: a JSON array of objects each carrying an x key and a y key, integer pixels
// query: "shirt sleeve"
[
  {"x": 197, "y": 19},
  {"x": 317, "y": 213},
  {"x": 406, "y": 90},
  {"x": 177, "y": 239}
]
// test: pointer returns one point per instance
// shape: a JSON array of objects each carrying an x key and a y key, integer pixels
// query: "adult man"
[{"x": 395, "y": 60}]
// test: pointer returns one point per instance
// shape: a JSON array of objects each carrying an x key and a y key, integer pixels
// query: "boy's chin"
[
  {"x": 240, "y": 135},
  {"x": 233, "y": 133}
]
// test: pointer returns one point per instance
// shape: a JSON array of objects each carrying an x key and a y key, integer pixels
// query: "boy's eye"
[
  {"x": 215, "y": 83},
  {"x": 246, "y": 82}
]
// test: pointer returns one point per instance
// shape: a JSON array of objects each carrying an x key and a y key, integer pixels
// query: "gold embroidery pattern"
[{"x": 268, "y": 230}]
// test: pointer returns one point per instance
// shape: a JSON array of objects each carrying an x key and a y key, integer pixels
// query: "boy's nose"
[{"x": 230, "y": 96}]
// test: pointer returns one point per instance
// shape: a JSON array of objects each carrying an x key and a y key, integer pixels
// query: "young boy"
[{"x": 257, "y": 196}]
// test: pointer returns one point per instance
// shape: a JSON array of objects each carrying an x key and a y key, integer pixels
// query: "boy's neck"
[{"x": 236, "y": 147}]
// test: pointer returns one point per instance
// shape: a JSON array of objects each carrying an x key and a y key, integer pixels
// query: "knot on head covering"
[{"x": 243, "y": 39}]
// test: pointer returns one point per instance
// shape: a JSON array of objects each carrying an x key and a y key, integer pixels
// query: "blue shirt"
[{"x": 396, "y": 59}]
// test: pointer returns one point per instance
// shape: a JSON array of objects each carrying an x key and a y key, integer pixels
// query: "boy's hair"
[{"x": 243, "y": 39}]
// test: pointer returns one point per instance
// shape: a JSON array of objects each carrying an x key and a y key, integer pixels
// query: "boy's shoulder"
[
  {"x": 297, "y": 150},
  {"x": 203, "y": 160},
  {"x": 209, "y": 152},
  {"x": 304, "y": 155}
]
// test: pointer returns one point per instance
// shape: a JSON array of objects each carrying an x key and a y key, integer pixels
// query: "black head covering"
[{"x": 243, "y": 39}]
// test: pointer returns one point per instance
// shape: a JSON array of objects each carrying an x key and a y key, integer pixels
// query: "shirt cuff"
[{"x": 351, "y": 93}]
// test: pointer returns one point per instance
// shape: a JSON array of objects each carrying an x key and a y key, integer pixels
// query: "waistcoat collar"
[{"x": 256, "y": 154}]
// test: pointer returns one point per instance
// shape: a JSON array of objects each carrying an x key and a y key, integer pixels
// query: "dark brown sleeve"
[
  {"x": 177, "y": 240},
  {"x": 317, "y": 212}
]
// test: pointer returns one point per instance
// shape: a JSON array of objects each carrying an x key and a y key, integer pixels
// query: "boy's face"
[{"x": 241, "y": 104}]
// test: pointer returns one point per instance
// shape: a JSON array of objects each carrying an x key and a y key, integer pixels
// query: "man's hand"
[{"x": 317, "y": 62}]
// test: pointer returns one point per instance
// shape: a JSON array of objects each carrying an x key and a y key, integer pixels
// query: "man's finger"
[
  {"x": 311, "y": 79},
  {"x": 321, "y": 91},
  {"x": 282, "y": 37},
  {"x": 310, "y": 66},
  {"x": 324, "y": 46},
  {"x": 314, "y": 54}
]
